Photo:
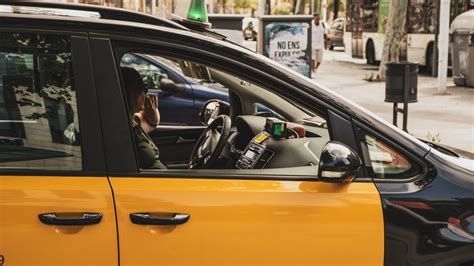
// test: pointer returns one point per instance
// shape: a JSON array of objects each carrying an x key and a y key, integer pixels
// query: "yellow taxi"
[{"x": 284, "y": 173}]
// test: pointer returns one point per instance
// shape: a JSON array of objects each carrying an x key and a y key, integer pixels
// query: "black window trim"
[
  {"x": 119, "y": 46},
  {"x": 423, "y": 165},
  {"x": 92, "y": 168}
]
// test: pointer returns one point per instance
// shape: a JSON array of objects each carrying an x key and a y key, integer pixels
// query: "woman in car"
[{"x": 144, "y": 117}]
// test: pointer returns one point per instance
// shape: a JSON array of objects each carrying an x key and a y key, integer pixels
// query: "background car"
[
  {"x": 250, "y": 28},
  {"x": 336, "y": 34},
  {"x": 180, "y": 106}
]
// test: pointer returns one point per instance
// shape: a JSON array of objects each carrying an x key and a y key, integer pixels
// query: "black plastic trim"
[
  {"x": 146, "y": 218},
  {"x": 120, "y": 152},
  {"x": 221, "y": 174},
  {"x": 89, "y": 124},
  {"x": 86, "y": 219},
  {"x": 424, "y": 166},
  {"x": 35, "y": 172}
]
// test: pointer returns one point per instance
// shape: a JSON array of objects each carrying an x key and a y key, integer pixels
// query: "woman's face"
[{"x": 140, "y": 102}]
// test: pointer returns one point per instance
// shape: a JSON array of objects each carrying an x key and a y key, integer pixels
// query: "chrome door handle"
[
  {"x": 85, "y": 218},
  {"x": 150, "y": 219},
  {"x": 181, "y": 140}
]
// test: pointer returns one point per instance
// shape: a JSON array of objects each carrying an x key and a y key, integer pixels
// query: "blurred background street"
[
  {"x": 361, "y": 26},
  {"x": 448, "y": 119},
  {"x": 445, "y": 119}
]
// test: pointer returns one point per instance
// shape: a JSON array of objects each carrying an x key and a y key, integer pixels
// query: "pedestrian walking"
[{"x": 319, "y": 42}]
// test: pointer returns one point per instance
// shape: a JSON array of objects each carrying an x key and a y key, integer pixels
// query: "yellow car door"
[
  {"x": 228, "y": 216},
  {"x": 56, "y": 205},
  {"x": 248, "y": 222}
]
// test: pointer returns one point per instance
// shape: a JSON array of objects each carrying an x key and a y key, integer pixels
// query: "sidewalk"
[{"x": 449, "y": 119}]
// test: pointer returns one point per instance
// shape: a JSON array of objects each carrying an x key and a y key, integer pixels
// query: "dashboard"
[{"x": 259, "y": 142}]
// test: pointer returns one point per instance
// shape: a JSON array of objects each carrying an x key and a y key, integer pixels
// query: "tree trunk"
[
  {"x": 393, "y": 34},
  {"x": 298, "y": 7}
]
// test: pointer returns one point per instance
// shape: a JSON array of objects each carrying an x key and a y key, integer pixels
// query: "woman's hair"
[{"x": 134, "y": 85}]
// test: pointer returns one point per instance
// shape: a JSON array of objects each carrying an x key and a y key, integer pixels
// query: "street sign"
[{"x": 287, "y": 40}]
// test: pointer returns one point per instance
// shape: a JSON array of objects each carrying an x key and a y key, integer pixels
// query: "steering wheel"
[{"x": 211, "y": 143}]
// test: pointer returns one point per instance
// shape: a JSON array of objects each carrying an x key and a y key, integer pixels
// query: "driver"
[{"x": 144, "y": 118}]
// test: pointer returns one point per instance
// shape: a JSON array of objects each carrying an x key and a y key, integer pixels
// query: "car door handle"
[
  {"x": 86, "y": 218},
  {"x": 150, "y": 219},
  {"x": 181, "y": 140}
]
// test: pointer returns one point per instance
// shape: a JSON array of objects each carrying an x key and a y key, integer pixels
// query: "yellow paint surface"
[
  {"x": 24, "y": 240},
  {"x": 250, "y": 222}
]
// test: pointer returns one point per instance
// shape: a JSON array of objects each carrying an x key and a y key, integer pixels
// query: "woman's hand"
[{"x": 150, "y": 113}]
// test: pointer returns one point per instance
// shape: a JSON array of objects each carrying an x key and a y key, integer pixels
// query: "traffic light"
[{"x": 197, "y": 11}]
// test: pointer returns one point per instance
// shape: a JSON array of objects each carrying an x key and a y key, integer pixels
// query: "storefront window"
[{"x": 421, "y": 16}]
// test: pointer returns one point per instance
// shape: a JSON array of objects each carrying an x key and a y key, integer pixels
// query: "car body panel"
[
  {"x": 432, "y": 222},
  {"x": 24, "y": 240},
  {"x": 251, "y": 222}
]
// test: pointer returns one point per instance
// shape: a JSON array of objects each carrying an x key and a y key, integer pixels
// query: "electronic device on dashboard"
[
  {"x": 276, "y": 128},
  {"x": 256, "y": 155},
  {"x": 253, "y": 153}
]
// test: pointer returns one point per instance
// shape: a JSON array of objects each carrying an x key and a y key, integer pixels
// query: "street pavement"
[{"x": 446, "y": 119}]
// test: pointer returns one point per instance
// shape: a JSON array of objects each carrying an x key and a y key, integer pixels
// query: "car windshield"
[{"x": 326, "y": 94}]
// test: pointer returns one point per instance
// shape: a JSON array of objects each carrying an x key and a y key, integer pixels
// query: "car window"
[
  {"x": 384, "y": 161},
  {"x": 151, "y": 72},
  {"x": 39, "y": 126},
  {"x": 338, "y": 25},
  {"x": 263, "y": 110},
  {"x": 289, "y": 142},
  {"x": 179, "y": 103}
]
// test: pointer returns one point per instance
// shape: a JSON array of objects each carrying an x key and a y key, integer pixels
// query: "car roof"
[
  {"x": 37, "y": 7},
  {"x": 136, "y": 28},
  {"x": 40, "y": 7}
]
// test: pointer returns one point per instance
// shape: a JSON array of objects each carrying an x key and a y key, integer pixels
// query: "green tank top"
[{"x": 148, "y": 153}]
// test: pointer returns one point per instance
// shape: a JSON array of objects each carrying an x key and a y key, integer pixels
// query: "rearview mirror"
[
  {"x": 212, "y": 109},
  {"x": 338, "y": 163},
  {"x": 167, "y": 85}
]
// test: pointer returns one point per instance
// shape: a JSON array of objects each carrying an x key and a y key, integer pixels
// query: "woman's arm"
[{"x": 150, "y": 117}]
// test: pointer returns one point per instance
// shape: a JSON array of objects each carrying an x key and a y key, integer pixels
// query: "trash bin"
[
  {"x": 462, "y": 30},
  {"x": 470, "y": 77},
  {"x": 400, "y": 78}
]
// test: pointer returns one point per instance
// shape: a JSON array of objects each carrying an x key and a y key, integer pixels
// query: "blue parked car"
[{"x": 179, "y": 106}]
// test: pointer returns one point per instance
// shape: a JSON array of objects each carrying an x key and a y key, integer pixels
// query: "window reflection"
[{"x": 38, "y": 112}]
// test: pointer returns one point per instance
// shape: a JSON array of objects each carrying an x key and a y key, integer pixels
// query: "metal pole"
[
  {"x": 406, "y": 81},
  {"x": 336, "y": 9},
  {"x": 443, "y": 46},
  {"x": 324, "y": 10},
  {"x": 261, "y": 7},
  {"x": 395, "y": 113}
]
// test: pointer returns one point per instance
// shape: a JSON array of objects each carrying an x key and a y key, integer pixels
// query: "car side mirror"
[
  {"x": 212, "y": 109},
  {"x": 169, "y": 86},
  {"x": 338, "y": 163}
]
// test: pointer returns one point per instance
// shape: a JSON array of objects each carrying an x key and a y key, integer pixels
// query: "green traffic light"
[{"x": 197, "y": 11}]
